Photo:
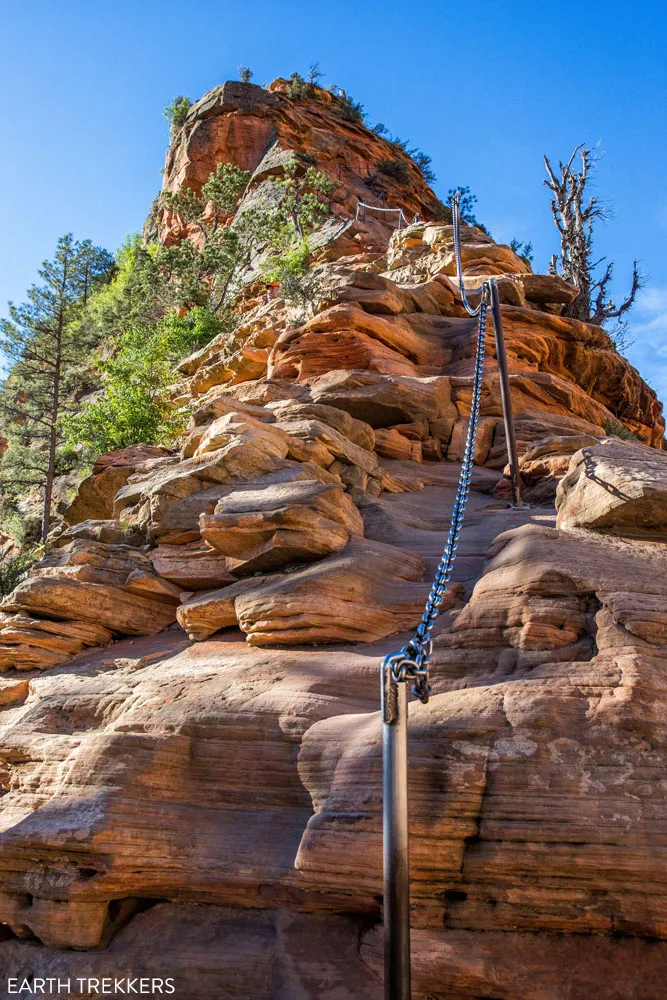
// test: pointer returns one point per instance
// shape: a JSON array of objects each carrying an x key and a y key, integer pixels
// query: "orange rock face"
[
  {"x": 243, "y": 124},
  {"x": 204, "y": 799}
]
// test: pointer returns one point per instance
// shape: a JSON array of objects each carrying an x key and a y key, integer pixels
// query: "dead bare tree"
[{"x": 575, "y": 214}]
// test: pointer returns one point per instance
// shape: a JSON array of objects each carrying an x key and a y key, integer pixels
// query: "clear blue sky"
[{"x": 485, "y": 88}]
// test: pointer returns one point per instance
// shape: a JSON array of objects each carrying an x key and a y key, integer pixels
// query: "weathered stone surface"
[
  {"x": 340, "y": 446},
  {"x": 368, "y": 590},
  {"x": 95, "y": 497},
  {"x": 346, "y": 337},
  {"x": 524, "y": 966},
  {"x": 392, "y": 444},
  {"x": 547, "y": 288},
  {"x": 232, "y": 427},
  {"x": 210, "y": 952},
  {"x": 178, "y": 522},
  {"x": 265, "y": 529},
  {"x": 616, "y": 486},
  {"x": 192, "y": 565},
  {"x": 108, "y": 531},
  {"x": 382, "y": 401},
  {"x": 114, "y": 609},
  {"x": 87, "y": 633},
  {"x": 214, "y": 407},
  {"x": 582, "y": 353},
  {"x": 538, "y": 683},
  {"x": 242, "y": 786},
  {"x": 314, "y": 353},
  {"x": 250, "y": 450},
  {"x": 483, "y": 440},
  {"x": 57, "y": 923},
  {"x": 359, "y": 432},
  {"x": 337, "y": 284}
]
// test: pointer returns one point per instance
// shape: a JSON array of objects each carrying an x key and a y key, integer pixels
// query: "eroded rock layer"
[{"x": 191, "y": 743}]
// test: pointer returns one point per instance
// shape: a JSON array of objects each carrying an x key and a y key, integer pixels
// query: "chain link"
[
  {"x": 413, "y": 660},
  {"x": 456, "y": 221}
]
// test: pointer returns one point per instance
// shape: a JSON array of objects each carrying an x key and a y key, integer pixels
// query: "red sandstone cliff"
[{"x": 190, "y": 727}]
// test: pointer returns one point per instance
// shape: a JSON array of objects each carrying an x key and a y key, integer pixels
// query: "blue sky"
[{"x": 485, "y": 89}]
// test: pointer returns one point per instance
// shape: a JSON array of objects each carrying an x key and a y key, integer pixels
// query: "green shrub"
[
  {"x": 195, "y": 330},
  {"x": 423, "y": 161},
  {"x": 398, "y": 169},
  {"x": 245, "y": 74},
  {"x": 14, "y": 567},
  {"x": 298, "y": 88},
  {"x": 350, "y": 110},
  {"x": 177, "y": 112},
  {"x": 613, "y": 427},
  {"x": 293, "y": 273},
  {"x": 134, "y": 406},
  {"x": 523, "y": 250},
  {"x": 441, "y": 212}
]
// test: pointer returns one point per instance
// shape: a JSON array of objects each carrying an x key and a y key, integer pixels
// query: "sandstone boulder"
[
  {"x": 615, "y": 486},
  {"x": 383, "y": 401},
  {"x": 390, "y": 443},
  {"x": 323, "y": 435},
  {"x": 114, "y": 609},
  {"x": 95, "y": 496},
  {"x": 247, "y": 449},
  {"x": 366, "y": 591},
  {"x": 550, "y": 288},
  {"x": 264, "y": 529},
  {"x": 192, "y": 565}
]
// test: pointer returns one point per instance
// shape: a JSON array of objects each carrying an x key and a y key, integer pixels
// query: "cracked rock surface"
[{"x": 190, "y": 739}]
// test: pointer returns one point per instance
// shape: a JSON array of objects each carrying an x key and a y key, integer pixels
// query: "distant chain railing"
[{"x": 362, "y": 207}]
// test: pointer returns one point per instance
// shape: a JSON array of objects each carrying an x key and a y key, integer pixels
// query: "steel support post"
[
  {"x": 506, "y": 396},
  {"x": 396, "y": 854}
]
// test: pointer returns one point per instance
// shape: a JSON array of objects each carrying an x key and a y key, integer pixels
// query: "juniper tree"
[
  {"x": 575, "y": 214},
  {"x": 303, "y": 207},
  {"x": 176, "y": 113},
  {"x": 46, "y": 347},
  {"x": 204, "y": 270},
  {"x": 201, "y": 269}
]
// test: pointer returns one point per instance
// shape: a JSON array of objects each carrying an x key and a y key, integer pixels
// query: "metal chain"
[
  {"x": 413, "y": 660},
  {"x": 456, "y": 220}
]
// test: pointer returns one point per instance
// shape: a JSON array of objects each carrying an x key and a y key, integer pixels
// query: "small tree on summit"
[
  {"x": 245, "y": 74},
  {"x": 575, "y": 214},
  {"x": 176, "y": 113},
  {"x": 314, "y": 74}
]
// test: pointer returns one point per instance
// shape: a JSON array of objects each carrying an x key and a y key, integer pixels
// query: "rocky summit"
[{"x": 191, "y": 737}]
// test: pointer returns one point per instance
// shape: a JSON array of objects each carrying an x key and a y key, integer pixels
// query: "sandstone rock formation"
[
  {"x": 615, "y": 485},
  {"x": 190, "y": 758}
]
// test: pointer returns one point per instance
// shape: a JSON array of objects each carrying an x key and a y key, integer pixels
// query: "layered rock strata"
[{"x": 191, "y": 743}]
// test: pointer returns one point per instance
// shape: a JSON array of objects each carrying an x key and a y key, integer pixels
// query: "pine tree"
[{"x": 46, "y": 346}]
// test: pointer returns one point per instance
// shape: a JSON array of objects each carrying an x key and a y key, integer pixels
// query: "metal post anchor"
[
  {"x": 506, "y": 396},
  {"x": 396, "y": 854}
]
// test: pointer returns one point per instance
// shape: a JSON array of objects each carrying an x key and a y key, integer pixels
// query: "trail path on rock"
[{"x": 419, "y": 521}]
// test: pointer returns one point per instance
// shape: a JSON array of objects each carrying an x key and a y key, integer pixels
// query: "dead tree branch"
[{"x": 574, "y": 214}]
